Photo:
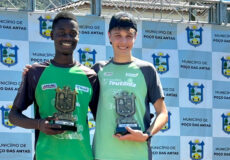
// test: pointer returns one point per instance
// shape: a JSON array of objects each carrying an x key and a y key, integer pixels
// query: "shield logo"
[
  {"x": 45, "y": 26},
  {"x": 125, "y": 104},
  {"x": 226, "y": 66},
  {"x": 168, "y": 124},
  {"x": 195, "y": 93},
  {"x": 196, "y": 150},
  {"x": 194, "y": 36},
  {"x": 5, "y": 117},
  {"x": 65, "y": 101},
  {"x": 9, "y": 54},
  {"x": 161, "y": 63},
  {"x": 226, "y": 123},
  {"x": 87, "y": 57}
]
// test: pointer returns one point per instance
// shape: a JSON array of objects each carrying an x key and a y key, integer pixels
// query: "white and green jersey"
[{"x": 139, "y": 79}]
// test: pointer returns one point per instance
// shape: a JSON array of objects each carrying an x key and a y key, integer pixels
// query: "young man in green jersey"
[
  {"x": 127, "y": 86},
  {"x": 53, "y": 87}
]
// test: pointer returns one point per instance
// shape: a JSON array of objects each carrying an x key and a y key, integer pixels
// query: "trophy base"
[
  {"x": 65, "y": 125},
  {"x": 123, "y": 131}
]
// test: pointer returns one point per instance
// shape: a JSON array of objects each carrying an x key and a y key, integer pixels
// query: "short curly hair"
[{"x": 63, "y": 15}]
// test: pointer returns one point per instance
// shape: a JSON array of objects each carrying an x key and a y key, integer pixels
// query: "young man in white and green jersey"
[
  {"x": 41, "y": 85},
  {"x": 121, "y": 77}
]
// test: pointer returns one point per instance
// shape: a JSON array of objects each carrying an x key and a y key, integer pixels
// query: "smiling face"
[
  {"x": 122, "y": 40},
  {"x": 65, "y": 35}
]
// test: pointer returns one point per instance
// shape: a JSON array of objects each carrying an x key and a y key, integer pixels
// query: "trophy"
[
  {"x": 65, "y": 102},
  {"x": 125, "y": 109}
]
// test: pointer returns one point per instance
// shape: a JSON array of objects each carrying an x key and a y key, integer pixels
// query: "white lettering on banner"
[
  {"x": 49, "y": 86},
  {"x": 129, "y": 84},
  {"x": 82, "y": 88}
]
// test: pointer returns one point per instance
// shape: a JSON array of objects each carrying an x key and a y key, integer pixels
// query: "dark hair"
[
  {"x": 122, "y": 20},
  {"x": 63, "y": 15}
]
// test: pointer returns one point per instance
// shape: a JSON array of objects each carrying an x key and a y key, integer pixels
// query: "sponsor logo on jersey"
[
  {"x": 122, "y": 83},
  {"x": 82, "y": 88},
  {"x": 131, "y": 74},
  {"x": 49, "y": 86},
  {"x": 108, "y": 74}
]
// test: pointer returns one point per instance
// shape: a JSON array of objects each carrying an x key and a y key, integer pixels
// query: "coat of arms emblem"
[
  {"x": 65, "y": 103},
  {"x": 167, "y": 125},
  {"x": 196, "y": 150},
  {"x": 125, "y": 109},
  {"x": 9, "y": 54},
  {"x": 226, "y": 123},
  {"x": 194, "y": 36},
  {"x": 196, "y": 93},
  {"x": 161, "y": 63},
  {"x": 87, "y": 57},
  {"x": 45, "y": 26},
  {"x": 226, "y": 66},
  {"x": 5, "y": 117}
]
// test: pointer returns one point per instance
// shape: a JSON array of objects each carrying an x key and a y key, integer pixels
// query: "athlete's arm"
[
  {"x": 160, "y": 120},
  {"x": 24, "y": 98},
  {"x": 161, "y": 117},
  {"x": 18, "y": 119}
]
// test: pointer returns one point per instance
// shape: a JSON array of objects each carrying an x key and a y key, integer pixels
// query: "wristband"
[{"x": 149, "y": 135}]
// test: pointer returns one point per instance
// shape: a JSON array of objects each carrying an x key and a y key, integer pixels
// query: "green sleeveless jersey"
[
  {"x": 141, "y": 85},
  {"x": 42, "y": 81}
]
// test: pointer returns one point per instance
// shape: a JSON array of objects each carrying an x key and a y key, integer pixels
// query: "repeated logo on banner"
[
  {"x": 45, "y": 26},
  {"x": 87, "y": 57},
  {"x": 5, "y": 118},
  {"x": 226, "y": 123},
  {"x": 226, "y": 66},
  {"x": 194, "y": 36},
  {"x": 193, "y": 62},
  {"x": 9, "y": 55},
  {"x": 196, "y": 149},
  {"x": 196, "y": 93},
  {"x": 160, "y": 61}
]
